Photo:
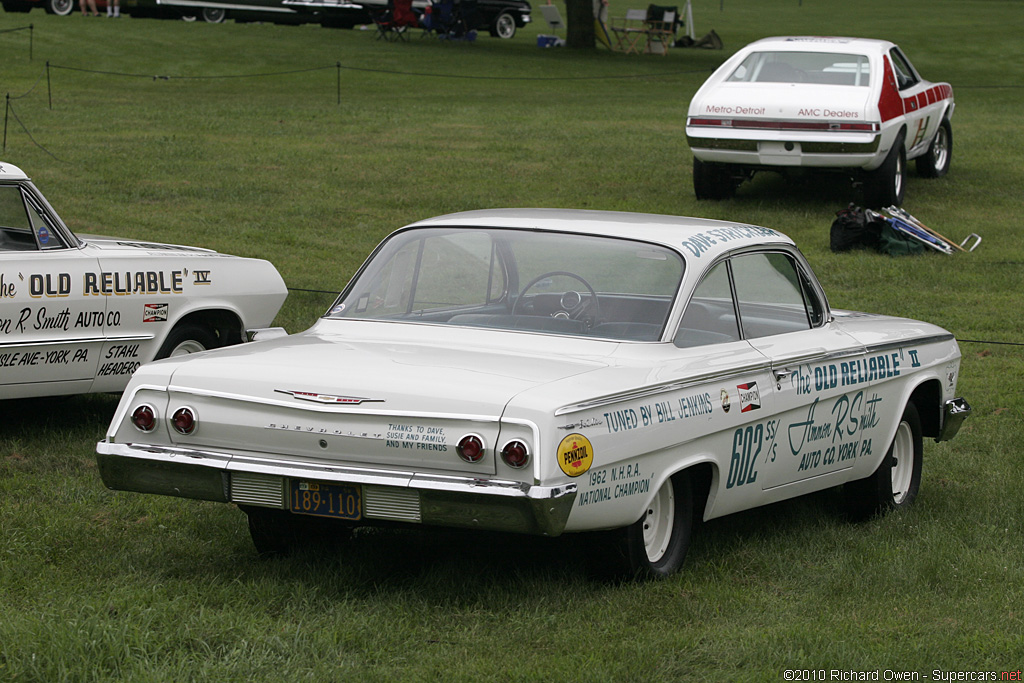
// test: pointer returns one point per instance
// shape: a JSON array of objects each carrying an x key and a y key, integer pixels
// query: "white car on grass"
[
  {"x": 546, "y": 372},
  {"x": 842, "y": 104},
  {"x": 80, "y": 315}
]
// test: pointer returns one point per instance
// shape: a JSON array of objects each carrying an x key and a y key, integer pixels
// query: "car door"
[
  {"x": 921, "y": 112},
  {"x": 817, "y": 410},
  {"x": 50, "y": 334}
]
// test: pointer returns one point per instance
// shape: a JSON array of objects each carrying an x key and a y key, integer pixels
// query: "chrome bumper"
[
  {"x": 388, "y": 495},
  {"x": 954, "y": 413}
]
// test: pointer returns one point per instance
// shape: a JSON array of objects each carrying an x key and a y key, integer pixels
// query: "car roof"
[
  {"x": 11, "y": 172},
  {"x": 691, "y": 236},
  {"x": 819, "y": 43}
]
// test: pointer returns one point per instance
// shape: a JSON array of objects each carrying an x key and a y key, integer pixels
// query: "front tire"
[
  {"x": 655, "y": 546},
  {"x": 935, "y": 162},
  {"x": 896, "y": 482},
  {"x": 213, "y": 15},
  {"x": 885, "y": 186},
  {"x": 61, "y": 8},
  {"x": 187, "y": 339},
  {"x": 504, "y": 26}
]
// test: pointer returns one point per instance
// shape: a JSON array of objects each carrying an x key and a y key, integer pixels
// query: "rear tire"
[
  {"x": 712, "y": 181},
  {"x": 885, "y": 186},
  {"x": 277, "y": 532},
  {"x": 896, "y": 482},
  {"x": 935, "y": 162},
  {"x": 655, "y": 546}
]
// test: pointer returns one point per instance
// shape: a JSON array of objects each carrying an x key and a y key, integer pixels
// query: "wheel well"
[
  {"x": 928, "y": 400},
  {"x": 225, "y": 324},
  {"x": 701, "y": 476}
]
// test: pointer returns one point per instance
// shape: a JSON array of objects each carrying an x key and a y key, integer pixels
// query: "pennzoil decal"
[
  {"x": 329, "y": 398},
  {"x": 575, "y": 455},
  {"x": 750, "y": 398}
]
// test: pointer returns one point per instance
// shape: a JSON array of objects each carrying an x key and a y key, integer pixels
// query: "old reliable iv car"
[
  {"x": 80, "y": 314},
  {"x": 790, "y": 104},
  {"x": 545, "y": 372}
]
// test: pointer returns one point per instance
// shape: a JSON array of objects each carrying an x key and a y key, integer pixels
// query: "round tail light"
[
  {"x": 144, "y": 418},
  {"x": 470, "y": 448},
  {"x": 516, "y": 454},
  {"x": 184, "y": 421}
]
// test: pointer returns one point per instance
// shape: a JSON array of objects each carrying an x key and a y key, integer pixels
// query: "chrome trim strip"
[
  {"x": 661, "y": 388},
  {"x": 78, "y": 340},
  {"x": 818, "y": 355},
  {"x": 327, "y": 408},
  {"x": 931, "y": 339}
]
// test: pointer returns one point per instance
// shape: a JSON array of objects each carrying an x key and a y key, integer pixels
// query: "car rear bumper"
[{"x": 387, "y": 495}]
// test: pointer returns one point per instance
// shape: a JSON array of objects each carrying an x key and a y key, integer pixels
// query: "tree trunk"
[{"x": 579, "y": 22}]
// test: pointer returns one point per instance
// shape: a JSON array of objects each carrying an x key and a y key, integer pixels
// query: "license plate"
[{"x": 341, "y": 501}]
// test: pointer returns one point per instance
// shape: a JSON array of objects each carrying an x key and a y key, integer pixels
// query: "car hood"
[
  {"x": 112, "y": 245},
  {"x": 385, "y": 368},
  {"x": 788, "y": 101}
]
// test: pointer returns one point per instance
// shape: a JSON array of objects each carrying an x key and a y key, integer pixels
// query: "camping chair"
[
  {"x": 438, "y": 18},
  {"x": 554, "y": 19},
  {"x": 394, "y": 22},
  {"x": 661, "y": 23},
  {"x": 630, "y": 30}
]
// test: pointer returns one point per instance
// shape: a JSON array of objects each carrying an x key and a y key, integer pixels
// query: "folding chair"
[
  {"x": 661, "y": 25},
  {"x": 394, "y": 22},
  {"x": 438, "y": 19},
  {"x": 630, "y": 30}
]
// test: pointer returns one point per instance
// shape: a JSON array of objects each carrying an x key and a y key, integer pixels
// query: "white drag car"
[
  {"x": 550, "y": 371},
  {"x": 81, "y": 315},
  {"x": 848, "y": 104}
]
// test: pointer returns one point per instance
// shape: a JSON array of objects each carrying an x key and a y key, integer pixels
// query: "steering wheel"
[{"x": 573, "y": 305}]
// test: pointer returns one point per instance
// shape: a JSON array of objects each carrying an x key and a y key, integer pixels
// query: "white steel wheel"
[
  {"x": 186, "y": 339},
  {"x": 186, "y": 347},
  {"x": 655, "y": 546},
  {"x": 657, "y": 522},
  {"x": 896, "y": 481},
  {"x": 902, "y": 463}
]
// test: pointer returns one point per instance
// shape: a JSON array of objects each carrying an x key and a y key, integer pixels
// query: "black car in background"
[{"x": 500, "y": 18}]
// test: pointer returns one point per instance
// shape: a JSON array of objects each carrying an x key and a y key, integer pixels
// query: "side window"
[
  {"x": 710, "y": 317},
  {"x": 769, "y": 294},
  {"x": 22, "y": 227},
  {"x": 904, "y": 72},
  {"x": 15, "y": 228}
]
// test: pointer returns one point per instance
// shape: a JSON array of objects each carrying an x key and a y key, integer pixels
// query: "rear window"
[{"x": 826, "y": 68}]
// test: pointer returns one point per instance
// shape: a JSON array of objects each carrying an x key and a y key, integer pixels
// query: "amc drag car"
[
  {"x": 842, "y": 104},
  {"x": 81, "y": 315},
  {"x": 545, "y": 372}
]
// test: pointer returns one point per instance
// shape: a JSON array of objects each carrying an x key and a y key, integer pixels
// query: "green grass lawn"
[{"x": 245, "y": 148}]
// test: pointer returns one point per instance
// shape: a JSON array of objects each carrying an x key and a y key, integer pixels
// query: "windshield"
[
  {"x": 547, "y": 282},
  {"x": 827, "y": 68}
]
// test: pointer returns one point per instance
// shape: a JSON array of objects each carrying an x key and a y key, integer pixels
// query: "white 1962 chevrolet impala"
[{"x": 545, "y": 372}]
